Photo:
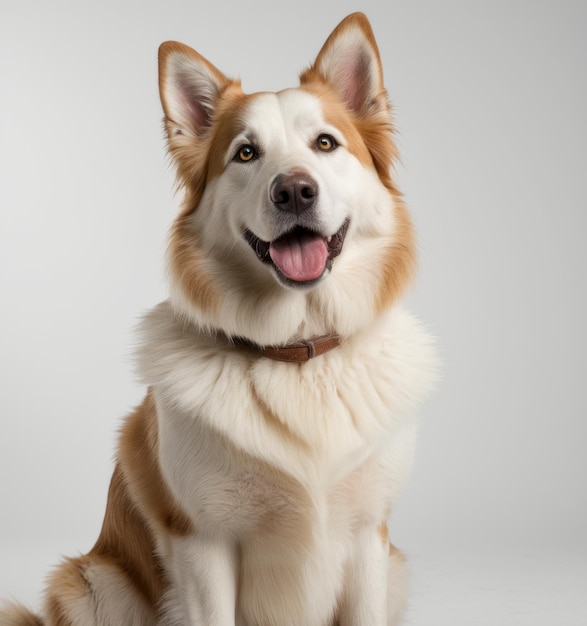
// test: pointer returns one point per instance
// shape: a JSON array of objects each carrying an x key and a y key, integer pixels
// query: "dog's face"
[
  {"x": 294, "y": 174},
  {"x": 291, "y": 222}
]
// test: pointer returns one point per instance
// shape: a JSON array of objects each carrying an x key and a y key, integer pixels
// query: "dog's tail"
[{"x": 17, "y": 615}]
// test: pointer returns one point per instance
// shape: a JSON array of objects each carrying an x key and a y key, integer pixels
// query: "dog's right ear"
[
  {"x": 190, "y": 87},
  {"x": 349, "y": 61}
]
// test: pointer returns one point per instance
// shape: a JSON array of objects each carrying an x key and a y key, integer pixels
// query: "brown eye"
[
  {"x": 246, "y": 153},
  {"x": 326, "y": 143}
]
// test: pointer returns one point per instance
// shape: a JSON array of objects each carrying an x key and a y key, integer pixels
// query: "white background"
[{"x": 490, "y": 101}]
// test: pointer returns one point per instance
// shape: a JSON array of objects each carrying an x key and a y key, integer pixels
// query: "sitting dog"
[{"x": 254, "y": 484}]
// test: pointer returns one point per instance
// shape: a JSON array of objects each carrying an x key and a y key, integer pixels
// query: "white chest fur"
[{"x": 286, "y": 460}]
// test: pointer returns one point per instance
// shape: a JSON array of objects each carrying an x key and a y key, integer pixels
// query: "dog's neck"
[{"x": 297, "y": 352}]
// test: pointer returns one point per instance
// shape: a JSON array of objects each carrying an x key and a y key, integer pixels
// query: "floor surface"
[{"x": 498, "y": 588}]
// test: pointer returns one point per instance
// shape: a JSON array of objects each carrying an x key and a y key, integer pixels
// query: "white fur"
[
  {"x": 202, "y": 569},
  {"x": 350, "y": 445}
]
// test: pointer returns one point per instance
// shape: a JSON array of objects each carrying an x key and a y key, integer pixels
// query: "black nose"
[{"x": 295, "y": 192}]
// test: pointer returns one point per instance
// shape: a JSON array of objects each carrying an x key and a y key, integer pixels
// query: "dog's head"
[{"x": 291, "y": 223}]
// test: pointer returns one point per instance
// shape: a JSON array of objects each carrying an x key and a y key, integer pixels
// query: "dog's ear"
[
  {"x": 349, "y": 61},
  {"x": 190, "y": 87}
]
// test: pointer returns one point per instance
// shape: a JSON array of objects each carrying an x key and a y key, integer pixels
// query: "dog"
[{"x": 254, "y": 484}]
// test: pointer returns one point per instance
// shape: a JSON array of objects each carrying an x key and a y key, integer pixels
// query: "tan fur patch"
[
  {"x": 397, "y": 554},
  {"x": 399, "y": 262},
  {"x": 67, "y": 585},
  {"x": 229, "y": 122},
  {"x": 126, "y": 541},
  {"x": 383, "y": 533},
  {"x": 17, "y": 615},
  {"x": 187, "y": 262},
  {"x": 138, "y": 456},
  {"x": 337, "y": 114}
]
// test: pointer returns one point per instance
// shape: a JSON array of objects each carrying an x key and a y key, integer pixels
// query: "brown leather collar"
[{"x": 298, "y": 352}]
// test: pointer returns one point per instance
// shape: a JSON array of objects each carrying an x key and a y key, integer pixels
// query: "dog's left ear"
[
  {"x": 349, "y": 61},
  {"x": 190, "y": 88}
]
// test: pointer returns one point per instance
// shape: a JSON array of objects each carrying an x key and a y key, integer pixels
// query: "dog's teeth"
[{"x": 329, "y": 239}]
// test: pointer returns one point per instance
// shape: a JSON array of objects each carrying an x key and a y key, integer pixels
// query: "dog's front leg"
[
  {"x": 375, "y": 585},
  {"x": 204, "y": 581}
]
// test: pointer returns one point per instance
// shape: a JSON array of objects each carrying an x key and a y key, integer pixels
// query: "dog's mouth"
[{"x": 301, "y": 256}]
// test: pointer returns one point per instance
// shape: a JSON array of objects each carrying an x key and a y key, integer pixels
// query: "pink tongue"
[{"x": 300, "y": 256}]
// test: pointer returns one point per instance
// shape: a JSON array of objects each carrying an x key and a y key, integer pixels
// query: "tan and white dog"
[{"x": 253, "y": 485}]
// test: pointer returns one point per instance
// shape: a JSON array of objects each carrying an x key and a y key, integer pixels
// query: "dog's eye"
[
  {"x": 246, "y": 153},
  {"x": 326, "y": 143}
]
